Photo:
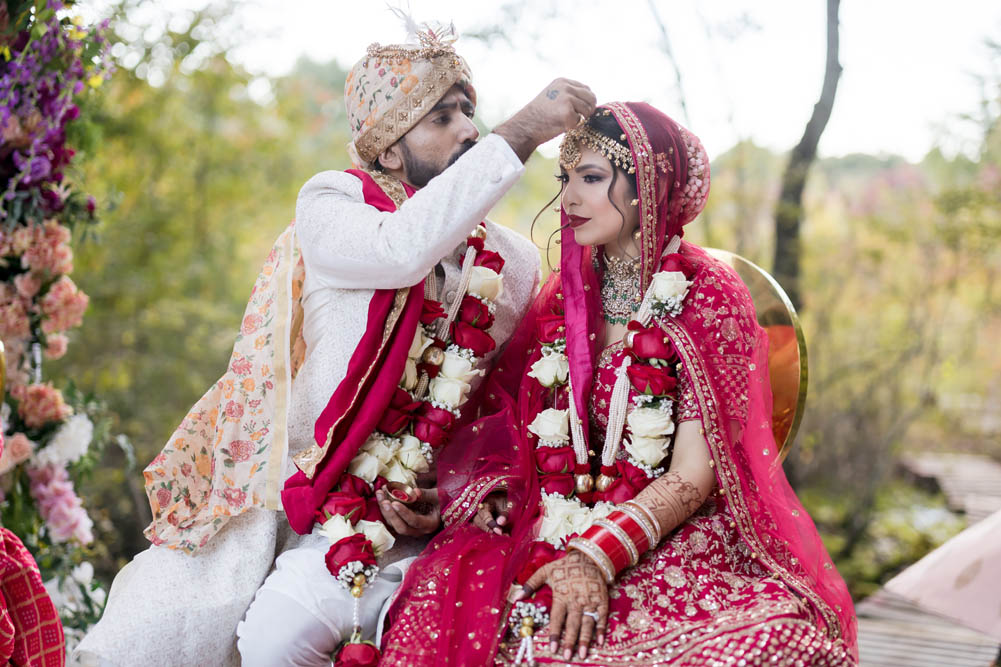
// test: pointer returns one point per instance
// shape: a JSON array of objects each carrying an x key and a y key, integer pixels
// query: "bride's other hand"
[
  {"x": 555, "y": 110},
  {"x": 580, "y": 602},
  {"x": 492, "y": 514}
]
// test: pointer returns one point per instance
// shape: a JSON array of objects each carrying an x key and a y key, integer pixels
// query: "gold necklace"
[{"x": 620, "y": 289}]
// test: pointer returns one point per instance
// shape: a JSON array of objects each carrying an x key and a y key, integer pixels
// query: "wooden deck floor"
[{"x": 896, "y": 633}]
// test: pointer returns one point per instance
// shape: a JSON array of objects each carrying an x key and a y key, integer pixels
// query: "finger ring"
[
  {"x": 481, "y": 506},
  {"x": 592, "y": 614}
]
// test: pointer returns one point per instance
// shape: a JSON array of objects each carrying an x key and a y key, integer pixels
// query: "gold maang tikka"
[{"x": 584, "y": 134}]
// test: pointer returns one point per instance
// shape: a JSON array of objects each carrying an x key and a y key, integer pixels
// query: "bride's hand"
[
  {"x": 491, "y": 515},
  {"x": 580, "y": 602}
]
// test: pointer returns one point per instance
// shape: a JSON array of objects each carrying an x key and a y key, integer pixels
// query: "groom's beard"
[{"x": 419, "y": 173}]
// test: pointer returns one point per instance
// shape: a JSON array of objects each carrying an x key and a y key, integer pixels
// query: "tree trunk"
[{"x": 789, "y": 210}]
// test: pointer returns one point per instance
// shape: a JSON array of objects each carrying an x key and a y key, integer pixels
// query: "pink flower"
[
  {"x": 235, "y": 497},
  {"x": 163, "y": 497},
  {"x": 27, "y": 285},
  {"x": 251, "y": 323},
  {"x": 241, "y": 366},
  {"x": 41, "y": 404},
  {"x": 14, "y": 322},
  {"x": 19, "y": 448},
  {"x": 55, "y": 345},
  {"x": 240, "y": 450},
  {"x": 59, "y": 505},
  {"x": 47, "y": 251},
  {"x": 63, "y": 306},
  {"x": 234, "y": 410}
]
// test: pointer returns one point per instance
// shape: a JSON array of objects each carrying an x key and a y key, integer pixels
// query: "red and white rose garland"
[
  {"x": 441, "y": 365},
  {"x": 635, "y": 448}
]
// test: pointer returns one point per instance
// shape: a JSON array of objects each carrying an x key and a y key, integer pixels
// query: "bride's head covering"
[
  {"x": 390, "y": 89},
  {"x": 667, "y": 161}
]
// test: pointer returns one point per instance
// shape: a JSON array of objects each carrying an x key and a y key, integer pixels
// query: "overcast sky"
[{"x": 749, "y": 69}]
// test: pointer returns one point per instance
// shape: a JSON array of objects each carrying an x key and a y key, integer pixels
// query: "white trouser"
[{"x": 301, "y": 613}]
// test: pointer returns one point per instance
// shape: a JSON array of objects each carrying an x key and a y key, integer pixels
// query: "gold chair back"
[{"x": 787, "y": 359}]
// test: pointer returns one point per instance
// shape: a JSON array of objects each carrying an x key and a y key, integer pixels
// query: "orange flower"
[
  {"x": 401, "y": 67},
  {"x": 228, "y": 389},
  {"x": 260, "y": 342},
  {"x": 408, "y": 84},
  {"x": 248, "y": 385},
  {"x": 204, "y": 465}
]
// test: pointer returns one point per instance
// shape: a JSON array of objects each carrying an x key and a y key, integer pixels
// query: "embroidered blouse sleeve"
[
  {"x": 688, "y": 405},
  {"x": 350, "y": 245}
]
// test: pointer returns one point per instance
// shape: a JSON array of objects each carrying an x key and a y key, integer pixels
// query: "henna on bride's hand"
[
  {"x": 578, "y": 587},
  {"x": 672, "y": 499}
]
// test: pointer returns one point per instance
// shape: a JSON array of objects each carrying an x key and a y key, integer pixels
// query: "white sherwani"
[{"x": 168, "y": 608}]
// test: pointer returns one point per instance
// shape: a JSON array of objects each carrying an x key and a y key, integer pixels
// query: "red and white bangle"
[
  {"x": 643, "y": 520},
  {"x": 644, "y": 511},
  {"x": 597, "y": 556}
]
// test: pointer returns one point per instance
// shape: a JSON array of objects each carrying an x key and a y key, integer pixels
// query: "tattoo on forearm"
[
  {"x": 553, "y": 94},
  {"x": 672, "y": 499}
]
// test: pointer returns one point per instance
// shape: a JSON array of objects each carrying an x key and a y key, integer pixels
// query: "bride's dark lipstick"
[{"x": 576, "y": 221}]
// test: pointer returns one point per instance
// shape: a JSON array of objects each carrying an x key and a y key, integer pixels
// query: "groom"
[{"x": 213, "y": 488}]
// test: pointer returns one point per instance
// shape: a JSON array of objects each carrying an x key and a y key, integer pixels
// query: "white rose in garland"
[
  {"x": 376, "y": 533},
  {"x": 667, "y": 292},
  {"x": 486, "y": 283},
  {"x": 448, "y": 391},
  {"x": 365, "y": 466},
  {"x": 411, "y": 454},
  {"x": 397, "y": 472},
  {"x": 552, "y": 426},
  {"x": 380, "y": 448},
  {"x": 336, "y": 528},
  {"x": 551, "y": 369},
  {"x": 459, "y": 366},
  {"x": 648, "y": 451},
  {"x": 650, "y": 422}
]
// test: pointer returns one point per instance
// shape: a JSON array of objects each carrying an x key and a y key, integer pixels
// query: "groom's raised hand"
[{"x": 558, "y": 108}]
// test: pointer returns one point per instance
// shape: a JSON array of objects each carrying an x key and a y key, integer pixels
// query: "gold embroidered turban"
[{"x": 389, "y": 90}]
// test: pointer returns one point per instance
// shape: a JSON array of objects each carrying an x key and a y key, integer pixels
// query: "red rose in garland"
[
  {"x": 561, "y": 483},
  {"x": 629, "y": 481},
  {"x": 431, "y": 311},
  {"x": 651, "y": 381},
  {"x": 678, "y": 262},
  {"x": 555, "y": 459},
  {"x": 349, "y": 505},
  {"x": 476, "y": 313},
  {"x": 399, "y": 413},
  {"x": 469, "y": 337},
  {"x": 347, "y": 549},
  {"x": 649, "y": 342},
  {"x": 361, "y": 654},
  {"x": 490, "y": 259},
  {"x": 433, "y": 424}
]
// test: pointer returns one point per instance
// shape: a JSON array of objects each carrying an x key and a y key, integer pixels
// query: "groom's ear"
[{"x": 391, "y": 159}]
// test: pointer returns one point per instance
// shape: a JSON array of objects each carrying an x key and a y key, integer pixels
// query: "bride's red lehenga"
[{"x": 744, "y": 580}]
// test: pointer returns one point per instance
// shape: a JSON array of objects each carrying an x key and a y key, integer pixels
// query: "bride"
[{"x": 636, "y": 511}]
